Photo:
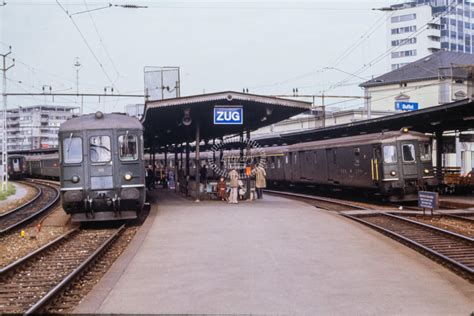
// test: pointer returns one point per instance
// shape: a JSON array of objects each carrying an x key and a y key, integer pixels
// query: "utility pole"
[
  {"x": 77, "y": 64},
  {"x": 5, "y": 138}
]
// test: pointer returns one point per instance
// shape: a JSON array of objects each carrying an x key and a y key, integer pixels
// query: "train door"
[
  {"x": 295, "y": 168},
  {"x": 376, "y": 164},
  {"x": 307, "y": 165},
  {"x": 100, "y": 173},
  {"x": 409, "y": 166},
  {"x": 331, "y": 160}
]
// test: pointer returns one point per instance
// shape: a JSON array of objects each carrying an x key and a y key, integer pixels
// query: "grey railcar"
[
  {"x": 102, "y": 169},
  {"x": 16, "y": 167},
  {"x": 393, "y": 164}
]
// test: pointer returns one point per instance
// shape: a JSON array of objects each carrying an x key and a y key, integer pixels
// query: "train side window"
[
  {"x": 286, "y": 159},
  {"x": 408, "y": 152},
  {"x": 357, "y": 151},
  {"x": 295, "y": 158},
  {"x": 425, "y": 151},
  {"x": 278, "y": 163},
  {"x": 99, "y": 148},
  {"x": 389, "y": 154},
  {"x": 72, "y": 149},
  {"x": 128, "y": 147}
]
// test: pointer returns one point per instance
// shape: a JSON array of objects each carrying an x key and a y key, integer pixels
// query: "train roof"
[
  {"x": 376, "y": 138},
  {"x": 99, "y": 120},
  {"x": 386, "y": 137}
]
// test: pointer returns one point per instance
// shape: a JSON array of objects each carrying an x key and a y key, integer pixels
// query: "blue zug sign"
[
  {"x": 228, "y": 115},
  {"x": 406, "y": 106},
  {"x": 428, "y": 199}
]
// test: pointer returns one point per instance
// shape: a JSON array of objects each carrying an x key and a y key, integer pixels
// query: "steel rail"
[
  {"x": 35, "y": 214},
  {"x": 16, "y": 209},
  {"x": 42, "y": 303},
  {"x": 12, "y": 266},
  {"x": 419, "y": 246}
]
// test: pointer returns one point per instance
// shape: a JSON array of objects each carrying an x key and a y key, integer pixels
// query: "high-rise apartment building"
[
  {"x": 419, "y": 28},
  {"x": 35, "y": 127}
]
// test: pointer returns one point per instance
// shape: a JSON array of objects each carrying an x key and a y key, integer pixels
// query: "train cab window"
[
  {"x": 425, "y": 151},
  {"x": 99, "y": 148},
  {"x": 128, "y": 147},
  {"x": 389, "y": 154},
  {"x": 408, "y": 152},
  {"x": 72, "y": 149}
]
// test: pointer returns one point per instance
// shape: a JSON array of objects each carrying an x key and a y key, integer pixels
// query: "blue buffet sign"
[
  {"x": 428, "y": 199},
  {"x": 228, "y": 115},
  {"x": 406, "y": 106}
]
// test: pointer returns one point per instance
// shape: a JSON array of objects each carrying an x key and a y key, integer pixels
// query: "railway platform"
[
  {"x": 270, "y": 256},
  {"x": 464, "y": 202}
]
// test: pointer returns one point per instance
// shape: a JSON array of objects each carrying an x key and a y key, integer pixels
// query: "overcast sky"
[{"x": 268, "y": 47}]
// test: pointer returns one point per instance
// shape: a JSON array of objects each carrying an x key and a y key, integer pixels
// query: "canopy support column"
[
  {"x": 198, "y": 163},
  {"x": 439, "y": 155}
]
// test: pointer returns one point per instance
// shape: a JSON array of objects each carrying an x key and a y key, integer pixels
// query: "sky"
[{"x": 268, "y": 47}]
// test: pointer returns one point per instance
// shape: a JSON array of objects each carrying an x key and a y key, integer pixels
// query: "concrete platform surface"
[
  {"x": 461, "y": 201},
  {"x": 271, "y": 256}
]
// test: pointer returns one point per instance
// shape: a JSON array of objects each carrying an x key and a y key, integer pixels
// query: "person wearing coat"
[
  {"x": 260, "y": 181},
  {"x": 234, "y": 186},
  {"x": 222, "y": 189}
]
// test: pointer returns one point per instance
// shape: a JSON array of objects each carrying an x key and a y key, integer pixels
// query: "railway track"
[
  {"x": 448, "y": 247},
  {"x": 47, "y": 196},
  {"x": 30, "y": 284}
]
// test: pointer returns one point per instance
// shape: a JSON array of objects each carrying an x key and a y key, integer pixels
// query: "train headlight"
[
  {"x": 427, "y": 171},
  {"x": 128, "y": 176},
  {"x": 75, "y": 179},
  {"x": 393, "y": 173}
]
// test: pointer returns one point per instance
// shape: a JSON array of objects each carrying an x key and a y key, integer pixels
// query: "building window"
[
  {"x": 402, "y": 30},
  {"x": 405, "y": 53},
  {"x": 404, "y": 41},
  {"x": 403, "y": 18}
]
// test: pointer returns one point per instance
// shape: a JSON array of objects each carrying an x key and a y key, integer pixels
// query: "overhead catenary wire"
[
  {"x": 411, "y": 35},
  {"x": 102, "y": 42},
  {"x": 87, "y": 43}
]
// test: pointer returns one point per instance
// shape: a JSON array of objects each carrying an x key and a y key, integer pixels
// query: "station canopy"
[
  {"x": 455, "y": 116},
  {"x": 173, "y": 121}
]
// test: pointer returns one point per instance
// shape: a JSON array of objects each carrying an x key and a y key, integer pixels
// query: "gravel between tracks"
[
  {"x": 14, "y": 247},
  {"x": 451, "y": 224},
  {"x": 68, "y": 301}
]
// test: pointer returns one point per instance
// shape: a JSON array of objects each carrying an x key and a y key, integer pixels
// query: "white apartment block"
[
  {"x": 35, "y": 127},
  {"x": 419, "y": 28}
]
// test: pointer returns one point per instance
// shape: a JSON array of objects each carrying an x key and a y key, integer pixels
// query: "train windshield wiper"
[
  {"x": 125, "y": 149},
  {"x": 69, "y": 145}
]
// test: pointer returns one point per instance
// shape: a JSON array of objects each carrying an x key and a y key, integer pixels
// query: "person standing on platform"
[
  {"x": 260, "y": 181},
  {"x": 222, "y": 189},
  {"x": 234, "y": 186},
  {"x": 203, "y": 174}
]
